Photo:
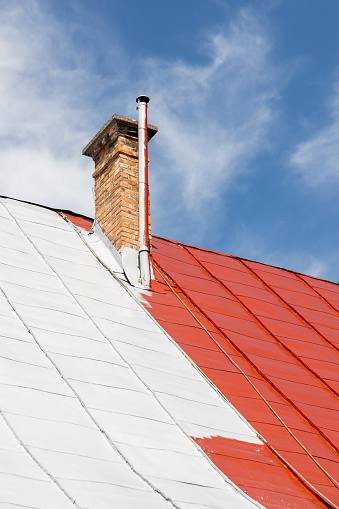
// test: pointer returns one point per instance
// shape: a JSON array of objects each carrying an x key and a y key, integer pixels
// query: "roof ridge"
[{"x": 220, "y": 253}]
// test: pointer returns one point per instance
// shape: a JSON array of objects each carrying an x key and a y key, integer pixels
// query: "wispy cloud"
[
  {"x": 45, "y": 86},
  {"x": 258, "y": 245},
  {"x": 214, "y": 116},
  {"x": 316, "y": 159},
  {"x": 298, "y": 261}
]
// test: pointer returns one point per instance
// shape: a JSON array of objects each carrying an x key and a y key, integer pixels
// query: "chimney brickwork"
[{"x": 114, "y": 150}]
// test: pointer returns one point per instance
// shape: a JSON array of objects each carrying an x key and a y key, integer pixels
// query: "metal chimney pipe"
[{"x": 144, "y": 248}]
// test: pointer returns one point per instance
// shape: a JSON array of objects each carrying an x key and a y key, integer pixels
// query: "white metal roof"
[{"x": 97, "y": 403}]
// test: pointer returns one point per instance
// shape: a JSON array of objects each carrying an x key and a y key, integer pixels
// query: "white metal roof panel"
[
  {"x": 97, "y": 383},
  {"x": 22, "y": 482}
]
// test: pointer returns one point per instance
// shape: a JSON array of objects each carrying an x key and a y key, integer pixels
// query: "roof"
[
  {"x": 219, "y": 388},
  {"x": 268, "y": 339},
  {"x": 98, "y": 404}
]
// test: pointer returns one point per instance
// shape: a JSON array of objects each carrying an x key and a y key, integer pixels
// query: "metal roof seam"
[
  {"x": 224, "y": 255},
  {"x": 22, "y": 444},
  {"x": 273, "y": 385},
  {"x": 37, "y": 462},
  {"x": 197, "y": 367},
  {"x": 290, "y": 271},
  {"x": 243, "y": 475},
  {"x": 102, "y": 431},
  {"x": 191, "y": 362},
  {"x": 90, "y": 219},
  {"x": 317, "y": 293},
  {"x": 96, "y": 423},
  {"x": 303, "y": 481},
  {"x": 290, "y": 467},
  {"x": 285, "y": 347},
  {"x": 161, "y": 328},
  {"x": 311, "y": 487},
  {"x": 292, "y": 307},
  {"x": 266, "y": 328}
]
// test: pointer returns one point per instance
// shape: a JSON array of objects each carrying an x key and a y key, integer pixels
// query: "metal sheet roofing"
[
  {"x": 98, "y": 405},
  {"x": 268, "y": 339}
]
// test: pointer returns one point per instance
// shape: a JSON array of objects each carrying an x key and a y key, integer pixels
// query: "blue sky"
[{"x": 245, "y": 95}]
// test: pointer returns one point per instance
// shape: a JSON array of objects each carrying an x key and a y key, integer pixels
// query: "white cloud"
[
  {"x": 214, "y": 117},
  {"x": 317, "y": 158},
  {"x": 251, "y": 245},
  {"x": 314, "y": 267},
  {"x": 42, "y": 109}
]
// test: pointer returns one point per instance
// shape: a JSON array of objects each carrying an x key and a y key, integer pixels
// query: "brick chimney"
[{"x": 114, "y": 150}]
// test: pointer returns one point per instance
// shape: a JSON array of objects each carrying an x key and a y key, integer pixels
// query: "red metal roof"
[
  {"x": 268, "y": 339},
  {"x": 79, "y": 221}
]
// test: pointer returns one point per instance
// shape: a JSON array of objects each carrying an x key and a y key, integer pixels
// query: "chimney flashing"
[{"x": 98, "y": 140}]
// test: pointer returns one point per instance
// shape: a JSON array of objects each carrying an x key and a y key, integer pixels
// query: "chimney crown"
[{"x": 131, "y": 126}]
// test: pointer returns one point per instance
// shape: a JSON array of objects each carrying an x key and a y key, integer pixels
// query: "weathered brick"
[{"x": 115, "y": 153}]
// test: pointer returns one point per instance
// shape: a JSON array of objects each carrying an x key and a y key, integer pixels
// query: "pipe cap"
[{"x": 142, "y": 99}]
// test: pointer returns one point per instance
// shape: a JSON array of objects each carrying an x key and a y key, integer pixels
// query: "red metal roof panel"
[{"x": 266, "y": 320}]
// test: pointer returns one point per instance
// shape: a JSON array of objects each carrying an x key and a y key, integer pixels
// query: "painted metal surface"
[
  {"x": 97, "y": 403},
  {"x": 281, "y": 329},
  {"x": 144, "y": 247},
  {"x": 79, "y": 221}
]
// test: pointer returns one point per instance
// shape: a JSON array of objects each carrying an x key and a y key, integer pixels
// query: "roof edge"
[
  {"x": 220, "y": 253},
  {"x": 65, "y": 211}
]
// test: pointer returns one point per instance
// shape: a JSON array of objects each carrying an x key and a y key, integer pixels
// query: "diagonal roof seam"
[
  {"x": 297, "y": 474},
  {"x": 247, "y": 378},
  {"x": 97, "y": 425},
  {"x": 296, "y": 312},
  {"x": 127, "y": 289},
  {"x": 224, "y": 255},
  {"x": 258, "y": 369},
  {"x": 286, "y": 284},
  {"x": 317, "y": 293},
  {"x": 22, "y": 444},
  {"x": 256, "y": 318}
]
